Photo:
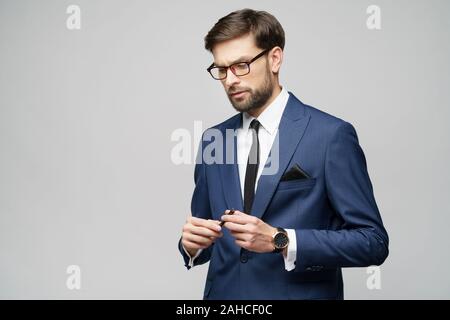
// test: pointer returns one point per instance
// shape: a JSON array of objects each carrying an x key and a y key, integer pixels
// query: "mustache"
[{"x": 235, "y": 90}]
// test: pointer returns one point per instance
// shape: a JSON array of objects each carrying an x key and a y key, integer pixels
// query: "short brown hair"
[{"x": 266, "y": 29}]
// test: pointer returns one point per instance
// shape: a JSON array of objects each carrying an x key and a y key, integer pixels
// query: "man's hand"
[
  {"x": 199, "y": 234},
  {"x": 251, "y": 233}
]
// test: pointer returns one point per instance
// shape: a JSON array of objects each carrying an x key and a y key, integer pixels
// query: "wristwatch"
[{"x": 280, "y": 240}]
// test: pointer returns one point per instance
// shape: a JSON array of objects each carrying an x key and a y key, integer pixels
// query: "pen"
[{"x": 222, "y": 222}]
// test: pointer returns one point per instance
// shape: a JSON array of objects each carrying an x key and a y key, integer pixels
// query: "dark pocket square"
[{"x": 294, "y": 173}]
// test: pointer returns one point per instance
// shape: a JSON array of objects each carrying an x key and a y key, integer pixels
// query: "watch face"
[{"x": 281, "y": 240}]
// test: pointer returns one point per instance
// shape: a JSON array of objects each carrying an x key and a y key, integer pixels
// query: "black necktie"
[{"x": 252, "y": 168}]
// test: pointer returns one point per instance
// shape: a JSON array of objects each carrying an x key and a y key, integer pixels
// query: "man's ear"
[{"x": 275, "y": 59}]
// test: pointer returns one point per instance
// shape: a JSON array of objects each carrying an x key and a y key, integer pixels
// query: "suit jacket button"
[{"x": 244, "y": 258}]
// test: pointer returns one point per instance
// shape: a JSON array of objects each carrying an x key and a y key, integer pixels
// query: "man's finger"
[
  {"x": 210, "y": 224},
  {"x": 238, "y": 218},
  {"x": 235, "y": 227},
  {"x": 242, "y": 244},
  {"x": 240, "y": 236},
  {"x": 236, "y": 212},
  {"x": 202, "y": 231},
  {"x": 193, "y": 245},
  {"x": 197, "y": 239}
]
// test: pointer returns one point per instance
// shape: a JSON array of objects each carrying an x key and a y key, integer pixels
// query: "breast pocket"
[{"x": 300, "y": 184}]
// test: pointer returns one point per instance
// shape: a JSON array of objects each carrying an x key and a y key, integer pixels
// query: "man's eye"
[
  {"x": 222, "y": 71},
  {"x": 240, "y": 66}
]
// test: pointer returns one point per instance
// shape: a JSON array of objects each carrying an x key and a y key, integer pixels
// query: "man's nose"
[{"x": 231, "y": 78}]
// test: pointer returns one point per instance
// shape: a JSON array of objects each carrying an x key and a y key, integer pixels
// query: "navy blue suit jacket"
[{"x": 334, "y": 213}]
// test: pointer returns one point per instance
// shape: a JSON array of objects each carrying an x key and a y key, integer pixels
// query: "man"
[{"x": 286, "y": 233}]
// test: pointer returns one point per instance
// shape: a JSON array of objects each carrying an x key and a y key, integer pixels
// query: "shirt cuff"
[
  {"x": 191, "y": 259},
  {"x": 289, "y": 260}
]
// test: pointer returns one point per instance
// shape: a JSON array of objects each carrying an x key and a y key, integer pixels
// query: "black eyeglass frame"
[{"x": 212, "y": 66}]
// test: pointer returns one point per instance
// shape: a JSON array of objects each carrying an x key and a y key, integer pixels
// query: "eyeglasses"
[{"x": 238, "y": 68}]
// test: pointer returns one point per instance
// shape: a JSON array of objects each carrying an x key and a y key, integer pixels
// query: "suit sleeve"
[
  {"x": 362, "y": 239},
  {"x": 200, "y": 207}
]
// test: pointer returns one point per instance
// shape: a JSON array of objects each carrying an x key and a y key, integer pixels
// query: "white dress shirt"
[{"x": 269, "y": 121}]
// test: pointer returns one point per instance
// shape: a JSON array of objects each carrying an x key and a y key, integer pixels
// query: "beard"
[{"x": 256, "y": 98}]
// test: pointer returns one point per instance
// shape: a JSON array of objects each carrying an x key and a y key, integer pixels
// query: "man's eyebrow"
[{"x": 240, "y": 59}]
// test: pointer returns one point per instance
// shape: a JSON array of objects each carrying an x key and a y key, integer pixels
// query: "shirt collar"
[{"x": 270, "y": 118}]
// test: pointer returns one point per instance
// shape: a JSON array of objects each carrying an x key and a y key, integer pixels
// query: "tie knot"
[{"x": 254, "y": 125}]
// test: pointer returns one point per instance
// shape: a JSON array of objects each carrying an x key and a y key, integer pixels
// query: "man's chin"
[
  {"x": 243, "y": 108},
  {"x": 239, "y": 106},
  {"x": 243, "y": 105}
]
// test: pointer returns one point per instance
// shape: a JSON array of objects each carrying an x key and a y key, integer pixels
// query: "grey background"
[{"x": 86, "y": 118}]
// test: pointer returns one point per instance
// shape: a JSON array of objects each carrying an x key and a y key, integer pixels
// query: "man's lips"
[{"x": 238, "y": 93}]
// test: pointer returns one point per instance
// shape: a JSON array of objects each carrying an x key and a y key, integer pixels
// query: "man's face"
[{"x": 253, "y": 90}]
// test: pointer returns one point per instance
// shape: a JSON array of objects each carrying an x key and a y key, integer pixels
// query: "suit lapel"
[
  {"x": 291, "y": 129},
  {"x": 230, "y": 171}
]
